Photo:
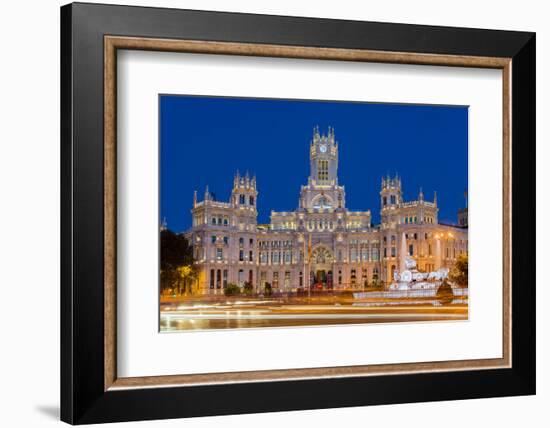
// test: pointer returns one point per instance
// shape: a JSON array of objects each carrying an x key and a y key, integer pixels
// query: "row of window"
[
  {"x": 218, "y": 278},
  {"x": 356, "y": 255},
  {"x": 277, "y": 257},
  {"x": 242, "y": 200},
  {"x": 393, "y": 200},
  {"x": 243, "y": 257},
  {"x": 287, "y": 257},
  {"x": 224, "y": 221},
  {"x": 413, "y": 220},
  {"x": 215, "y": 238},
  {"x": 219, "y": 221},
  {"x": 284, "y": 226},
  {"x": 312, "y": 277},
  {"x": 410, "y": 235},
  {"x": 321, "y": 224},
  {"x": 364, "y": 275},
  {"x": 275, "y": 244},
  {"x": 411, "y": 251},
  {"x": 275, "y": 279},
  {"x": 225, "y": 239}
]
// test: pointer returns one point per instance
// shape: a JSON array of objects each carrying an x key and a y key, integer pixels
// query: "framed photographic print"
[{"x": 265, "y": 213}]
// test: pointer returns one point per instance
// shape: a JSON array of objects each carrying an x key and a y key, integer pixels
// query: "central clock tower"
[
  {"x": 323, "y": 159},
  {"x": 322, "y": 192}
]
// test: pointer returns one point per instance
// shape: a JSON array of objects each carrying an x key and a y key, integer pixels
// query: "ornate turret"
[
  {"x": 244, "y": 191},
  {"x": 390, "y": 193},
  {"x": 391, "y": 198}
]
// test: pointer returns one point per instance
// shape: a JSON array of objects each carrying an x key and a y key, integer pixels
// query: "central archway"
[{"x": 321, "y": 267}]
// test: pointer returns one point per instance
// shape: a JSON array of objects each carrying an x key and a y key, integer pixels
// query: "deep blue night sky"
[{"x": 204, "y": 140}]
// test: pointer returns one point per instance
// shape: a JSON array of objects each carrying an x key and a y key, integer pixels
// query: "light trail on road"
[{"x": 244, "y": 316}]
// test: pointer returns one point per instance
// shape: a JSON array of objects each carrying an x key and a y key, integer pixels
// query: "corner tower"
[
  {"x": 323, "y": 159},
  {"x": 244, "y": 193}
]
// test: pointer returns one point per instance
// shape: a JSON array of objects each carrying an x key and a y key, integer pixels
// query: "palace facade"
[{"x": 321, "y": 242}]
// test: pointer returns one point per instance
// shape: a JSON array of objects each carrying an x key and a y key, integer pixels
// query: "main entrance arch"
[{"x": 321, "y": 267}]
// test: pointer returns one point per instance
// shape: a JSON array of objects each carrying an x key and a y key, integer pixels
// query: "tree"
[
  {"x": 232, "y": 290},
  {"x": 175, "y": 250},
  {"x": 459, "y": 272},
  {"x": 186, "y": 275},
  {"x": 177, "y": 268},
  {"x": 248, "y": 288}
]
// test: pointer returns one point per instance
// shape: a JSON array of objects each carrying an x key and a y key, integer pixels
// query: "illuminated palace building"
[{"x": 321, "y": 242}]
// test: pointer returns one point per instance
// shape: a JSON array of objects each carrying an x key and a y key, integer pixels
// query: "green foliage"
[
  {"x": 175, "y": 250},
  {"x": 177, "y": 268},
  {"x": 459, "y": 272},
  {"x": 248, "y": 288},
  {"x": 232, "y": 290}
]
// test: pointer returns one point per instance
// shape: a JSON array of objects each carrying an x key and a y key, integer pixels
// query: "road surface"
[{"x": 255, "y": 313}]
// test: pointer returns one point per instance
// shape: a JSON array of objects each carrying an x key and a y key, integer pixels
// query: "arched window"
[
  {"x": 321, "y": 255},
  {"x": 322, "y": 170}
]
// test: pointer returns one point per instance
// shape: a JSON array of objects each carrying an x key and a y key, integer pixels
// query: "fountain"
[
  {"x": 409, "y": 282},
  {"x": 410, "y": 278}
]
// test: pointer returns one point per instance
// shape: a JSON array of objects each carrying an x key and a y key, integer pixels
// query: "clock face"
[{"x": 323, "y": 148}]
